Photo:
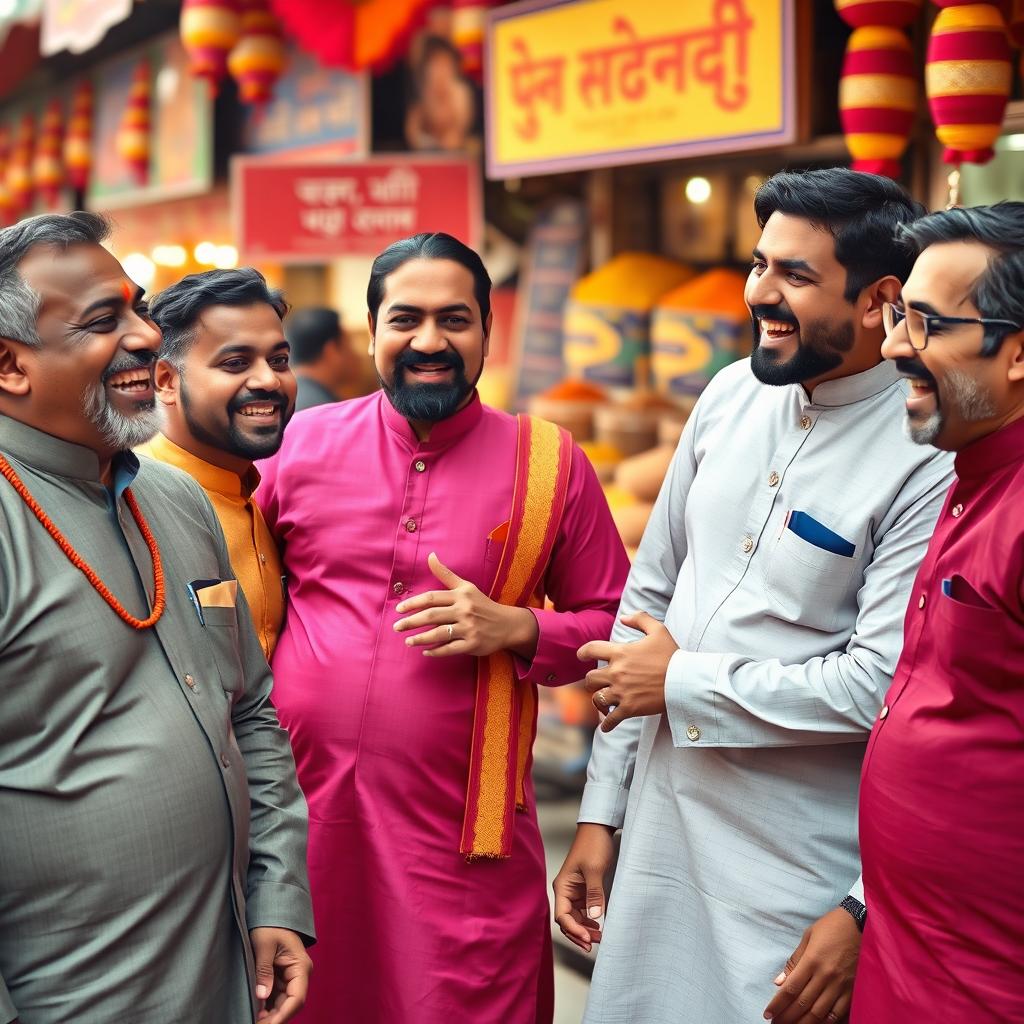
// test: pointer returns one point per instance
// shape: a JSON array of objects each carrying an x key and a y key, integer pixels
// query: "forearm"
[{"x": 558, "y": 636}]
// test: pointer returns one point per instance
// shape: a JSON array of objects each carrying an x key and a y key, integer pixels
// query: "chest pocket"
[
  {"x": 808, "y": 585},
  {"x": 221, "y": 632}
]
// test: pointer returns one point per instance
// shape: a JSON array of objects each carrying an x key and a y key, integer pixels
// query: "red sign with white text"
[{"x": 302, "y": 213}]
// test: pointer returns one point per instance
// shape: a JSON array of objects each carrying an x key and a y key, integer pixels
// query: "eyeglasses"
[{"x": 922, "y": 326}]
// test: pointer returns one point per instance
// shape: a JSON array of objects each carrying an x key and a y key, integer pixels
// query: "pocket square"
[
  {"x": 809, "y": 529},
  {"x": 223, "y": 594}
]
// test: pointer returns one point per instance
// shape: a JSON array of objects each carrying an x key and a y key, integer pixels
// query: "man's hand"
[
  {"x": 282, "y": 973},
  {"x": 579, "y": 886},
  {"x": 633, "y": 681},
  {"x": 816, "y": 984},
  {"x": 465, "y": 621}
]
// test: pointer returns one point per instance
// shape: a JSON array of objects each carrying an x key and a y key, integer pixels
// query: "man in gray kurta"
[
  {"x": 152, "y": 833},
  {"x": 779, "y": 556}
]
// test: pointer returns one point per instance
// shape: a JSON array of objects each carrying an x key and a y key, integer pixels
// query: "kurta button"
[
  {"x": 748, "y": 544},
  {"x": 884, "y": 712},
  {"x": 399, "y": 588},
  {"x": 692, "y": 733},
  {"x": 410, "y": 525},
  {"x": 225, "y": 761},
  {"x": 805, "y": 422},
  {"x": 956, "y": 511},
  {"x": 922, "y": 602},
  {"x": 263, "y": 558},
  {"x": 773, "y": 478},
  {"x": 550, "y": 677},
  {"x": 420, "y": 466},
  {"x": 190, "y": 682}
]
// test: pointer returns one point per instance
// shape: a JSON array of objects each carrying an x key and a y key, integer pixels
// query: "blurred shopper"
[
  {"x": 322, "y": 357},
  {"x": 942, "y": 796},
  {"x": 227, "y": 392},
  {"x": 420, "y": 531},
  {"x": 152, "y": 833},
  {"x": 763, "y": 628}
]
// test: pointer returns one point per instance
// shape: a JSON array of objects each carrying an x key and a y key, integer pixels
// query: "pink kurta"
[{"x": 408, "y": 931}]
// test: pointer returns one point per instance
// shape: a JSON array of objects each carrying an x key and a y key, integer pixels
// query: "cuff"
[
  {"x": 690, "y": 698},
  {"x": 857, "y": 890},
  {"x": 8, "y": 1011},
  {"x": 603, "y": 804},
  {"x": 280, "y": 905},
  {"x": 548, "y": 665}
]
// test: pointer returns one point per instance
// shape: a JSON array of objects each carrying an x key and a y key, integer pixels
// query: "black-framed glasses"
[{"x": 922, "y": 326}]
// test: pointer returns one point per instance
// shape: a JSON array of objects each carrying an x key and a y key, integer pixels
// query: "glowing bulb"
[
  {"x": 169, "y": 255},
  {"x": 140, "y": 268},
  {"x": 205, "y": 252},
  {"x": 698, "y": 190},
  {"x": 225, "y": 257}
]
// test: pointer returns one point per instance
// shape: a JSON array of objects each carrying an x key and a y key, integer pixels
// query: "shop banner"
[
  {"x": 78, "y": 25},
  {"x": 289, "y": 212},
  {"x": 573, "y": 84}
]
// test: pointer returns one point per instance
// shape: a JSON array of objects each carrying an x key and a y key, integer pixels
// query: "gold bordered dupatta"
[{"x": 505, "y": 719}]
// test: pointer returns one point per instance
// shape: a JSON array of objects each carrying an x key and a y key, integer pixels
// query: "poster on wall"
[{"x": 593, "y": 83}]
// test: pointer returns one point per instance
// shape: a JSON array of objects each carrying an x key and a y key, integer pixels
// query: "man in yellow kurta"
[{"x": 227, "y": 391}]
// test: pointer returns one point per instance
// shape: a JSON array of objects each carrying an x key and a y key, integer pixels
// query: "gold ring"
[
  {"x": 602, "y": 698},
  {"x": 451, "y": 630}
]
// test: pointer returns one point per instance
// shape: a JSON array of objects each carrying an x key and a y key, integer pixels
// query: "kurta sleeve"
[
  {"x": 584, "y": 582},
  {"x": 650, "y": 586},
  {"x": 738, "y": 701},
  {"x": 266, "y": 495},
  {"x": 8, "y": 1011},
  {"x": 277, "y": 890}
]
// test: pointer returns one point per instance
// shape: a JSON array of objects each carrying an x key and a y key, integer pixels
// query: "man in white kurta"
[{"x": 738, "y": 801}]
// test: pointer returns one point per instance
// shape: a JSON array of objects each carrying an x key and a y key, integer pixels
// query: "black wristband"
[{"x": 856, "y": 910}]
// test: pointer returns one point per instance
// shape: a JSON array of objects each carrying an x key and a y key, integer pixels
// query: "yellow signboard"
[{"x": 590, "y": 83}]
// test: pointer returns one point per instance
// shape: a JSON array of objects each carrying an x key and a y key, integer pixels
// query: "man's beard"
[
  {"x": 971, "y": 399},
  {"x": 119, "y": 431},
  {"x": 260, "y": 445},
  {"x": 428, "y": 403},
  {"x": 820, "y": 348}
]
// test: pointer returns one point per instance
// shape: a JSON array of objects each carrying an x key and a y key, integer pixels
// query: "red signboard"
[{"x": 303, "y": 213}]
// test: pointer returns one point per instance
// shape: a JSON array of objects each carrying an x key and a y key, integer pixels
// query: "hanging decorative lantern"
[
  {"x": 469, "y": 18},
  {"x": 878, "y": 98},
  {"x": 891, "y": 13},
  {"x": 133, "y": 135},
  {"x": 968, "y": 78},
  {"x": 258, "y": 58},
  {"x": 6, "y": 204},
  {"x": 19, "y": 169},
  {"x": 47, "y": 171},
  {"x": 210, "y": 29},
  {"x": 78, "y": 137}
]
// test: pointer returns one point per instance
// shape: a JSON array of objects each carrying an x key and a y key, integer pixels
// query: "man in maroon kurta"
[{"x": 942, "y": 796}]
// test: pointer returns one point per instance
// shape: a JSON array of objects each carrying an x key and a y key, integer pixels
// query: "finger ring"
[
  {"x": 451, "y": 630},
  {"x": 602, "y": 699},
  {"x": 831, "y": 1016}
]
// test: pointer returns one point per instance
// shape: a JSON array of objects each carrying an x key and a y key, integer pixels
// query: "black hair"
[
  {"x": 177, "y": 308},
  {"x": 861, "y": 211},
  {"x": 309, "y": 330},
  {"x": 428, "y": 246},
  {"x": 998, "y": 293}
]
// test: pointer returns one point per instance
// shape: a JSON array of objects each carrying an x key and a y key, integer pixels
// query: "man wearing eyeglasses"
[{"x": 942, "y": 794}]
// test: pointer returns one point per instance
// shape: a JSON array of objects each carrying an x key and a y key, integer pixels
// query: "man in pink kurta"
[
  {"x": 359, "y": 496},
  {"x": 942, "y": 792}
]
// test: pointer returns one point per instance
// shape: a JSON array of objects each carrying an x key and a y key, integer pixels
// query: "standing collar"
[
  {"x": 444, "y": 433},
  {"x": 855, "y": 388},
  {"x": 206, "y": 474},
  {"x": 991, "y": 452},
  {"x": 53, "y": 455}
]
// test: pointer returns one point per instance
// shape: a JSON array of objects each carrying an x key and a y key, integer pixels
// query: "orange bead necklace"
[{"x": 80, "y": 563}]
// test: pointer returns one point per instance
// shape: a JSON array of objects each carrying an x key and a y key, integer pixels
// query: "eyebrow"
[
  {"x": 458, "y": 307},
  {"x": 112, "y": 300},
  {"x": 924, "y": 307},
  {"x": 788, "y": 264},
  {"x": 242, "y": 349}
]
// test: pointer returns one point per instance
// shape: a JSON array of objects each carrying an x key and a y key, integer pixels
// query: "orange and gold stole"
[{"x": 505, "y": 719}]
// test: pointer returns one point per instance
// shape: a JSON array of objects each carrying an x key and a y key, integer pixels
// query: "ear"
[
  {"x": 13, "y": 379},
  {"x": 370, "y": 324},
  {"x": 1015, "y": 342},
  {"x": 885, "y": 289},
  {"x": 166, "y": 380},
  {"x": 487, "y": 332}
]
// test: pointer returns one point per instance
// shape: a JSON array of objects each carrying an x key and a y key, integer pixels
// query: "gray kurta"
[
  {"x": 149, "y": 813},
  {"x": 741, "y": 827}
]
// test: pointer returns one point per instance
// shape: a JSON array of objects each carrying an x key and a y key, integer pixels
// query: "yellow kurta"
[{"x": 254, "y": 556}]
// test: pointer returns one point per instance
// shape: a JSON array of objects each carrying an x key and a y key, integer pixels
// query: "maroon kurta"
[
  {"x": 942, "y": 794},
  {"x": 409, "y": 932}
]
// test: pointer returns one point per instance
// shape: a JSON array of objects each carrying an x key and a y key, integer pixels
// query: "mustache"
[
  {"x": 781, "y": 312},
  {"x": 265, "y": 397},
  {"x": 447, "y": 357},
  {"x": 128, "y": 361},
  {"x": 913, "y": 368}
]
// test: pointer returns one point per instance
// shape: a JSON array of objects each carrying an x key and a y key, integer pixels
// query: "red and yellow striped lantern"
[
  {"x": 19, "y": 169},
  {"x": 878, "y": 98},
  {"x": 6, "y": 203},
  {"x": 133, "y": 134},
  {"x": 469, "y": 18},
  {"x": 968, "y": 77},
  {"x": 78, "y": 137},
  {"x": 210, "y": 29},
  {"x": 47, "y": 170},
  {"x": 258, "y": 58},
  {"x": 891, "y": 13}
]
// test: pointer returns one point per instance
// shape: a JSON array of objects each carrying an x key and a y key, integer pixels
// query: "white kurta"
[{"x": 740, "y": 803}]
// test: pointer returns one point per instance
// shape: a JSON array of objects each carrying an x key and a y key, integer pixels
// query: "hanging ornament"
[
  {"x": 47, "y": 171},
  {"x": 78, "y": 137},
  {"x": 258, "y": 58},
  {"x": 469, "y": 18},
  {"x": 133, "y": 135},
  {"x": 968, "y": 79},
  {"x": 19, "y": 170},
  {"x": 6, "y": 204},
  {"x": 891, "y": 13},
  {"x": 210, "y": 29}
]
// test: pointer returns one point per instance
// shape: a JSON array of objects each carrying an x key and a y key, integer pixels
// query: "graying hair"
[{"x": 19, "y": 304}]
